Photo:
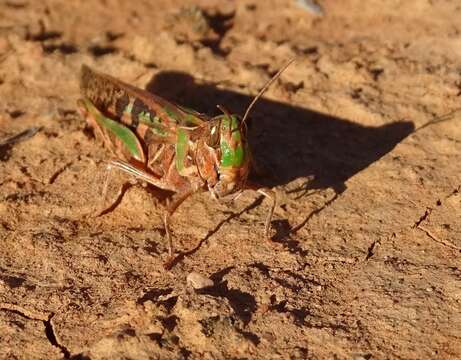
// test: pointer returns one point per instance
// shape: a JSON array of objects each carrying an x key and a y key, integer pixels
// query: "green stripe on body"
[
  {"x": 182, "y": 147},
  {"x": 231, "y": 157},
  {"x": 128, "y": 138}
]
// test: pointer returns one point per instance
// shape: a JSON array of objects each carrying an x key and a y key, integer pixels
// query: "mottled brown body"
[
  {"x": 158, "y": 139},
  {"x": 164, "y": 144}
]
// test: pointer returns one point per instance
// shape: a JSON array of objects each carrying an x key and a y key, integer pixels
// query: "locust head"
[
  {"x": 229, "y": 149},
  {"x": 223, "y": 156},
  {"x": 233, "y": 158}
]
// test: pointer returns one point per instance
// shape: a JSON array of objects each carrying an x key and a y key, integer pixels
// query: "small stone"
[
  {"x": 198, "y": 281},
  {"x": 358, "y": 356}
]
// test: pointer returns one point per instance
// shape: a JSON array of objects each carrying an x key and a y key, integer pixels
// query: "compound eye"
[{"x": 213, "y": 140}]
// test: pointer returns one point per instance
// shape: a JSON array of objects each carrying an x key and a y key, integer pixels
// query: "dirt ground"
[{"x": 364, "y": 260}]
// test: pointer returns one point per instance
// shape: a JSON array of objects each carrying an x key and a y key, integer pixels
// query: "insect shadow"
[{"x": 290, "y": 142}]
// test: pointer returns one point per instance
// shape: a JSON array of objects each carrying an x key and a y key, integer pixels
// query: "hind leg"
[
  {"x": 172, "y": 203},
  {"x": 102, "y": 209}
]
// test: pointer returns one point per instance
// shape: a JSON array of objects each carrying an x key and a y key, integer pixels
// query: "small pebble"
[
  {"x": 311, "y": 6},
  {"x": 357, "y": 356},
  {"x": 198, "y": 281}
]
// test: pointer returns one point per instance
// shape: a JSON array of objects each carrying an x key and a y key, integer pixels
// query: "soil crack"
[
  {"x": 46, "y": 320},
  {"x": 59, "y": 172},
  {"x": 440, "y": 241},
  {"x": 454, "y": 192},
  {"x": 426, "y": 215},
  {"x": 371, "y": 249},
  {"x": 28, "y": 314},
  {"x": 51, "y": 336},
  {"x": 423, "y": 217}
]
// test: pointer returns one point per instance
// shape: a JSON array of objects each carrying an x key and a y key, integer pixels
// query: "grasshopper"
[{"x": 169, "y": 146}]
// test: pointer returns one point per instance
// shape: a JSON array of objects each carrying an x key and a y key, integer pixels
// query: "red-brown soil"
[{"x": 364, "y": 262}]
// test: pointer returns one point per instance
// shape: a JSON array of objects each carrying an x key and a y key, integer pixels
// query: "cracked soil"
[{"x": 360, "y": 138}]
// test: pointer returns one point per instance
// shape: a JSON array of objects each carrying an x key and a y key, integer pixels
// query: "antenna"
[{"x": 264, "y": 89}]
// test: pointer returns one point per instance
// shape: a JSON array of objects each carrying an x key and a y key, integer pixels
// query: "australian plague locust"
[{"x": 168, "y": 146}]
